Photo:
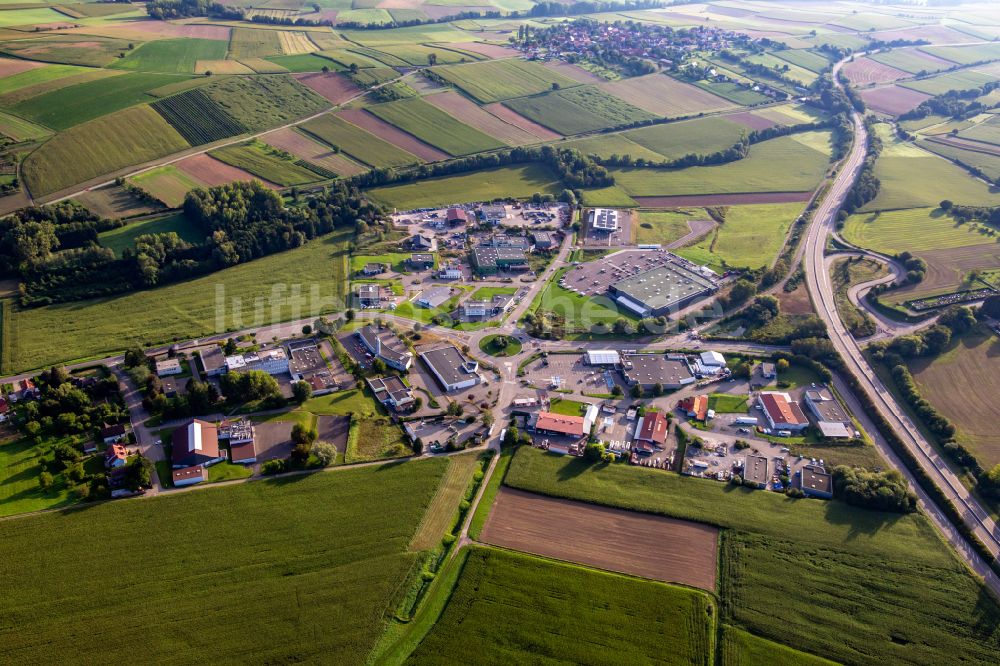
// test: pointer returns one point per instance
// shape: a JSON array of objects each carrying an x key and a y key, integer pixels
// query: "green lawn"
[
  {"x": 487, "y": 293},
  {"x": 174, "y": 56},
  {"x": 20, "y": 465},
  {"x": 124, "y": 237},
  {"x": 750, "y": 237},
  {"x": 490, "y": 346},
  {"x": 188, "y": 309},
  {"x": 66, "y": 107},
  {"x": 665, "y": 227},
  {"x": 507, "y": 606},
  {"x": 226, "y": 471},
  {"x": 567, "y": 407},
  {"x": 793, "y": 163},
  {"x": 842, "y": 572},
  {"x": 432, "y": 125},
  {"x": 517, "y": 181},
  {"x": 298, "y": 590},
  {"x": 578, "y": 313},
  {"x": 341, "y": 403},
  {"x": 397, "y": 260},
  {"x": 724, "y": 403}
]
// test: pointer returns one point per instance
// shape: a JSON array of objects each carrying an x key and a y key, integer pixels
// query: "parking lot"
[
  {"x": 571, "y": 373},
  {"x": 273, "y": 440},
  {"x": 595, "y": 277}
]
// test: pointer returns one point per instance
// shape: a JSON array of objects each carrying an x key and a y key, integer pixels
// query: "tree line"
[{"x": 957, "y": 104}]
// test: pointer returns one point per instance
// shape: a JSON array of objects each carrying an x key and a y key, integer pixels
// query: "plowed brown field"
[
  {"x": 212, "y": 172},
  {"x": 864, "y": 71},
  {"x": 666, "y": 549},
  {"x": 301, "y": 146},
  {"x": 893, "y": 100},
  {"x": 392, "y": 134},
  {"x": 334, "y": 87},
  {"x": 514, "y": 118}
]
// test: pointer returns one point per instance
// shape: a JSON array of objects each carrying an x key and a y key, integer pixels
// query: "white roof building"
[
  {"x": 602, "y": 357},
  {"x": 710, "y": 358}
]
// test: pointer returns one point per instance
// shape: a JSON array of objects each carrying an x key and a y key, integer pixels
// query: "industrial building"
[
  {"x": 392, "y": 392},
  {"x": 603, "y": 220},
  {"x": 452, "y": 369},
  {"x": 384, "y": 344},
  {"x": 670, "y": 371},
  {"x": 781, "y": 412},
  {"x": 755, "y": 471},
  {"x": 661, "y": 290},
  {"x": 814, "y": 481},
  {"x": 272, "y": 361},
  {"x": 493, "y": 213},
  {"x": 432, "y": 298},
  {"x": 832, "y": 419},
  {"x": 602, "y": 357},
  {"x": 491, "y": 260}
]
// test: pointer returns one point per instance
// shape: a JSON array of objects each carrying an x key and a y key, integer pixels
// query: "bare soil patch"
[
  {"x": 472, "y": 114},
  {"x": 865, "y": 71},
  {"x": 333, "y": 87},
  {"x": 893, "y": 100},
  {"x": 795, "y": 302},
  {"x": 115, "y": 201},
  {"x": 212, "y": 172},
  {"x": 392, "y": 134},
  {"x": 752, "y": 121},
  {"x": 571, "y": 71},
  {"x": 721, "y": 199},
  {"x": 10, "y": 66},
  {"x": 289, "y": 140},
  {"x": 655, "y": 547}
]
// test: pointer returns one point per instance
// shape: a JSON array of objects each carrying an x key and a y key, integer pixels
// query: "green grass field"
[
  {"x": 66, "y": 107},
  {"x": 358, "y": 143},
  {"x": 579, "y": 109},
  {"x": 517, "y": 181},
  {"x": 31, "y": 16},
  {"x": 664, "y": 227},
  {"x": 440, "y": 515},
  {"x": 988, "y": 132},
  {"x": 987, "y": 163},
  {"x": 174, "y": 56},
  {"x": 40, "y": 75},
  {"x": 740, "y": 648},
  {"x": 298, "y": 590},
  {"x": 305, "y": 62},
  {"x": 701, "y": 136},
  {"x": 117, "y": 140},
  {"x": 840, "y": 575},
  {"x": 965, "y": 55},
  {"x": 432, "y": 125},
  {"x": 913, "y": 178},
  {"x": 579, "y": 313},
  {"x": 751, "y": 236},
  {"x": 253, "y": 43},
  {"x": 491, "y": 345},
  {"x": 911, "y": 230},
  {"x": 86, "y": 50},
  {"x": 20, "y": 465},
  {"x": 265, "y": 162},
  {"x": 814, "y": 61},
  {"x": 265, "y": 101},
  {"x": 803, "y": 75},
  {"x": 793, "y": 163},
  {"x": 497, "y": 80},
  {"x": 167, "y": 184},
  {"x": 908, "y": 60},
  {"x": 123, "y": 237},
  {"x": 507, "y": 605},
  {"x": 606, "y": 145},
  {"x": 20, "y": 129},
  {"x": 185, "y": 310},
  {"x": 733, "y": 92},
  {"x": 960, "y": 80},
  {"x": 418, "y": 54}
]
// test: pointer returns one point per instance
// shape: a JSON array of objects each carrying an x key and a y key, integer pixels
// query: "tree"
[
  {"x": 325, "y": 69},
  {"x": 140, "y": 473},
  {"x": 555, "y": 85},
  {"x": 455, "y": 408},
  {"x": 134, "y": 357},
  {"x": 230, "y": 348},
  {"x": 353, "y": 68},
  {"x": 946, "y": 204},
  {"x": 594, "y": 452},
  {"x": 742, "y": 291},
  {"x": 45, "y": 480},
  {"x": 326, "y": 453},
  {"x": 487, "y": 418},
  {"x": 432, "y": 59},
  {"x": 303, "y": 435},
  {"x": 782, "y": 364},
  {"x": 307, "y": 330},
  {"x": 301, "y": 391},
  {"x": 636, "y": 391}
]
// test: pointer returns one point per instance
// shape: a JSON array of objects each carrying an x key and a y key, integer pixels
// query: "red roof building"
[
  {"x": 115, "y": 456},
  {"x": 456, "y": 216},
  {"x": 560, "y": 424},
  {"x": 189, "y": 476},
  {"x": 782, "y": 412},
  {"x": 652, "y": 428},
  {"x": 696, "y": 407},
  {"x": 195, "y": 443}
]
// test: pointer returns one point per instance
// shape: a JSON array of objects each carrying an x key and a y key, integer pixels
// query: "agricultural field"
[
  {"x": 124, "y": 138},
  {"x": 308, "y": 62},
  {"x": 791, "y": 71},
  {"x": 197, "y": 118},
  {"x": 253, "y": 43},
  {"x": 666, "y": 226},
  {"x": 576, "y": 110},
  {"x": 961, "y": 80},
  {"x": 733, "y": 92},
  {"x": 893, "y": 100},
  {"x": 114, "y": 201},
  {"x": 814, "y": 61},
  {"x": 674, "y": 140},
  {"x": 913, "y": 178},
  {"x": 333, "y": 87},
  {"x": 358, "y": 143},
  {"x": 499, "y": 80},
  {"x": 20, "y": 129},
  {"x": 172, "y": 56},
  {"x": 750, "y": 237},
  {"x": 419, "y": 54},
  {"x": 791, "y": 163},
  {"x": 581, "y": 609},
  {"x": 913, "y": 61},
  {"x": 664, "y": 549},
  {"x": 317, "y": 154},
  {"x": 965, "y": 55},
  {"x": 965, "y": 403},
  {"x": 435, "y": 127},
  {"x": 740, "y": 648},
  {"x": 85, "y": 50},
  {"x": 167, "y": 184},
  {"x": 95, "y": 328},
  {"x": 865, "y": 71},
  {"x": 608, "y": 145},
  {"x": 663, "y": 95},
  {"x": 16, "y": 17},
  {"x": 392, "y": 134},
  {"x": 124, "y": 237},
  {"x": 913, "y": 230},
  {"x": 259, "y": 102},
  {"x": 14, "y": 80},
  {"x": 473, "y": 115},
  {"x": 315, "y": 596},
  {"x": 987, "y": 132},
  {"x": 876, "y": 562},
  {"x": 983, "y": 157},
  {"x": 516, "y": 181},
  {"x": 266, "y": 162}
]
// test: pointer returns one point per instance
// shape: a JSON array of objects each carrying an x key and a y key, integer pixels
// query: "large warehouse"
[{"x": 661, "y": 290}]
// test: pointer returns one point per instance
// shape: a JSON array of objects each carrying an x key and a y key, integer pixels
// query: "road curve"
[{"x": 820, "y": 287}]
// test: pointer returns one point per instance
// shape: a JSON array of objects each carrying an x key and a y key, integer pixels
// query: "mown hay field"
[
  {"x": 506, "y": 605},
  {"x": 72, "y": 105},
  {"x": 20, "y": 129},
  {"x": 606, "y": 145},
  {"x": 960, "y": 383},
  {"x": 304, "y": 147},
  {"x": 965, "y": 55},
  {"x": 124, "y": 237},
  {"x": 297, "y": 591},
  {"x": 750, "y": 237},
  {"x": 432, "y": 125},
  {"x": 419, "y": 54},
  {"x": 254, "y": 43},
  {"x": 835, "y": 588},
  {"x": 741, "y": 648},
  {"x": 128, "y": 137},
  {"x": 498, "y": 80},
  {"x": 259, "y": 102},
  {"x": 701, "y": 136},
  {"x": 986, "y": 158},
  {"x": 516, "y": 181},
  {"x": 304, "y": 282},
  {"x": 577, "y": 110},
  {"x": 167, "y": 184},
  {"x": 793, "y": 163},
  {"x": 176, "y": 56},
  {"x": 912, "y": 61},
  {"x": 440, "y": 516},
  {"x": 37, "y": 76},
  {"x": 358, "y": 143}
]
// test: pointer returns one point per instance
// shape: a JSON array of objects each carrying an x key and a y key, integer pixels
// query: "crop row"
[{"x": 197, "y": 118}]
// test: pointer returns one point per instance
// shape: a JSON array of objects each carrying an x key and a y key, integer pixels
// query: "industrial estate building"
[
  {"x": 384, "y": 344},
  {"x": 663, "y": 289},
  {"x": 831, "y": 418},
  {"x": 781, "y": 412},
  {"x": 452, "y": 369},
  {"x": 603, "y": 219},
  {"x": 669, "y": 371}
]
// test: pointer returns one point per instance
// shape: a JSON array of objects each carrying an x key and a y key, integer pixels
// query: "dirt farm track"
[{"x": 675, "y": 551}]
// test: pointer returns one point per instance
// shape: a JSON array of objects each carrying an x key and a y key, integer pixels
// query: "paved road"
[{"x": 821, "y": 291}]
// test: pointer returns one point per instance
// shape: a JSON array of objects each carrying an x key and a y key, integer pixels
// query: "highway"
[{"x": 821, "y": 292}]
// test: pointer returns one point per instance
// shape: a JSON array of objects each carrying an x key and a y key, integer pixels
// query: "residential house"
[
  {"x": 450, "y": 270},
  {"x": 421, "y": 242},
  {"x": 419, "y": 261},
  {"x": 116, "y": 455},
  {"x": 113, "y": 433},
  {"x": 368, "y": 295},
  {"x": 374, "y": 268}
]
